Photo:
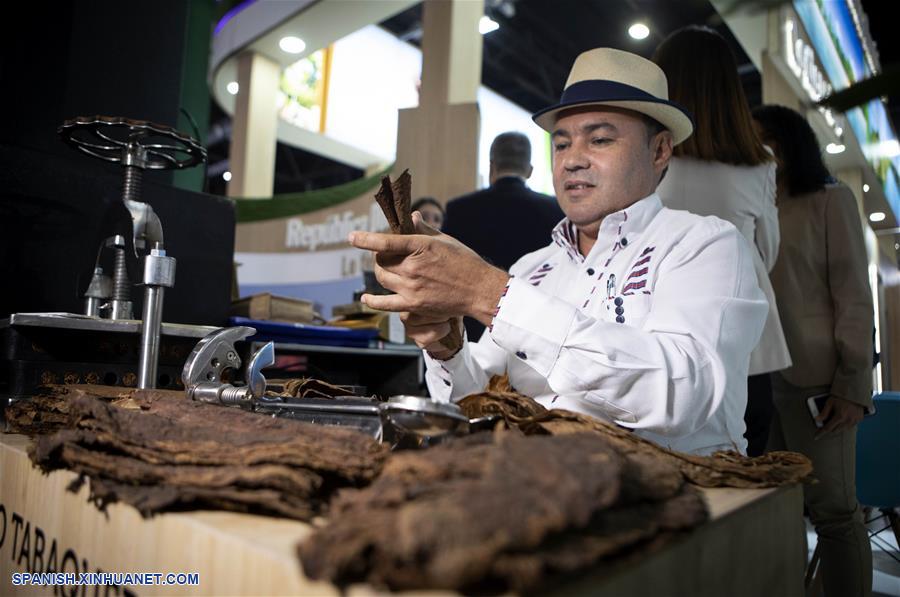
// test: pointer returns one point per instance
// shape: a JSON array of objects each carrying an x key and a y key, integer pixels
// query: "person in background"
[
  {"x": 473, "y": 219},
  {"x": 432, "y": 211},
  {"x": 821, "y": 283},
  {"x": 724, "y": 170}
]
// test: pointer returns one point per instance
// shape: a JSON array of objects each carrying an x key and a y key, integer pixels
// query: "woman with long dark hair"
[
  {"x": 724, "y": 170},
  {"x": 821, "y": 283}
]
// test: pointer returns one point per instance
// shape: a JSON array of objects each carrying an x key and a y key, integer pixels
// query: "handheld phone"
[{"x": 816, "y": 405}]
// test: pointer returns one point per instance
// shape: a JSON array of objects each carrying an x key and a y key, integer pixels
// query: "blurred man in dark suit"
[{"x": 476, "y": 218}]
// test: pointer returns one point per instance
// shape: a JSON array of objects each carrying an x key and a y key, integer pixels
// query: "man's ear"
[
  {"x": 662, "y": 147},
  {"x": 530, "y": 171}
]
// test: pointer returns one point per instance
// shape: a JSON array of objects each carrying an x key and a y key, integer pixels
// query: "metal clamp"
[
  {"x": 159, "y": 274},
  {"x": 137, "y": 145},
  {"x": 215, "y": 361}
]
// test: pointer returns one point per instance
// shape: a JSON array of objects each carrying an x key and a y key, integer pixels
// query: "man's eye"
[
  {"x": 560, "y": 146},
  {"x": 601, "y": 140}
]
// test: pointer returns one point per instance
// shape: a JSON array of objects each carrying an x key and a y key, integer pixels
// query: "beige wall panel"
[
  {"x": 254, "y": 136},
  {"x": 440, "y": 148}
]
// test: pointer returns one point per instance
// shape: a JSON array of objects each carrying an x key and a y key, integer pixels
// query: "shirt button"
[
  {"x": 521, "y": 355},
  {"x": 620, "y": 319},
  {"x": 620, "y": 310},
  {"x": 590, "y": 271},
  {"x": 624, "y": 242},
  {"x": 618, "y": 301}
]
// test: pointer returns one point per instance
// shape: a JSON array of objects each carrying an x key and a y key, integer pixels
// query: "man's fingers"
[
  {"x": 388, "y": 279},
  {"x": 427, "y": 335},
  {"x": 422, "y": 227},
  {"x": 386, "y": 302},
  {"x": 419, "y": 319},
  {"x": 389, "y": 260},
  {"x": 387, "y": 243}
]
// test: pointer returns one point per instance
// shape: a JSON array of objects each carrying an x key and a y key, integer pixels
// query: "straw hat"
[{"x": 608, "y": 77}]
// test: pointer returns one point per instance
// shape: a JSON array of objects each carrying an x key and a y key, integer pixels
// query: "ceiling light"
[
  {"x": 226, "y": 176},
  {"x": 838, "y": 131},
  {"x": 639, "y": 31},
  {"x": 233, "y": 88},
  {"x": 876, "y": 216},
  {"x": 835, "y": 148},
  {"x": 896, "y": 246},
  {"x": 292, "y": 45},
  {"x": 486, "y": 24},
  {"x": 865, "y": 188}
]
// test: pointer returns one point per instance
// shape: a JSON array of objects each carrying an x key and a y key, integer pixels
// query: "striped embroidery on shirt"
[
  {"x": 638, "y": 273},
  {"x": 593, "y": 290},
  {"x": 566, "y": 237},
  {"x": 612, "y": 254},
  {"x": 632, "y": 286},
  {"x": 538, "y": 275},
  {"x": 636, "y": 278},
  {"x": 497, "y": 309},
  {"x": 588, "y": 299},
  {"x": 642, "y": 261}
]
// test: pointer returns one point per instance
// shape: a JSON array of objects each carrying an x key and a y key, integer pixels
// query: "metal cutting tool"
[{"x": 214, "y": 373}]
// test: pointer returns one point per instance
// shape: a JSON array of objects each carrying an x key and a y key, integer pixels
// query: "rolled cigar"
[
  {"x": 395, "y": 200},
  {"x": 402, "y": 190},
  {"x": 453, "y": 340},
  {"x": 385, "y": 199}
]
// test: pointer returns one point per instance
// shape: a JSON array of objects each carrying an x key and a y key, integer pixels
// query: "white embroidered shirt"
[{"x": 652, "y": 330}]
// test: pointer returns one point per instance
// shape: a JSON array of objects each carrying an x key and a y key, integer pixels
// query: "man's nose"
[{"x": 575, "y": 160}]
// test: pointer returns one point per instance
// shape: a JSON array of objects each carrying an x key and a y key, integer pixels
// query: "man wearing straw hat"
[{"x": 632, "y": 313}]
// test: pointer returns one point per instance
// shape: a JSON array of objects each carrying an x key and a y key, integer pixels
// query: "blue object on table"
[
  {"x": 878, "y": 454},
  {"x": 301, "y": 333}
]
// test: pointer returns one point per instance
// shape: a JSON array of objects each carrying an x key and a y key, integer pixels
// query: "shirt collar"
[{"x": 627, "y": 222}]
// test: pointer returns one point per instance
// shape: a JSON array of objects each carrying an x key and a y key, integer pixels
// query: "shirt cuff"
[
  {"x": 438, "y": 377},
  {"x": 532, "y": 325}
]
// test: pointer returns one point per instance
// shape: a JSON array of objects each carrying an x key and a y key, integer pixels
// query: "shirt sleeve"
[
  {"x": 851, "y": 298},
  {"x": 668, "y": 376},
  {"x": 467, "y": 372},
  {"x": 768, "y": 234}
]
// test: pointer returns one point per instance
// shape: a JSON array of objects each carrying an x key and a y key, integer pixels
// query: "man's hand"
[
  {"x": 839, "y": 415},
  {"x": 433, "y": 275},
  {"x": 428, "y": 333}
]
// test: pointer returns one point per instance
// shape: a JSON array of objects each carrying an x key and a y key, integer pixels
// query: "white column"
[
  {"x": 438, "y": 141},
  {"x": 253, "y": 140}
]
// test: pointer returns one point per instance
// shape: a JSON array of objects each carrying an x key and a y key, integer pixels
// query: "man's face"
[{"x": 603, "y": 161}]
